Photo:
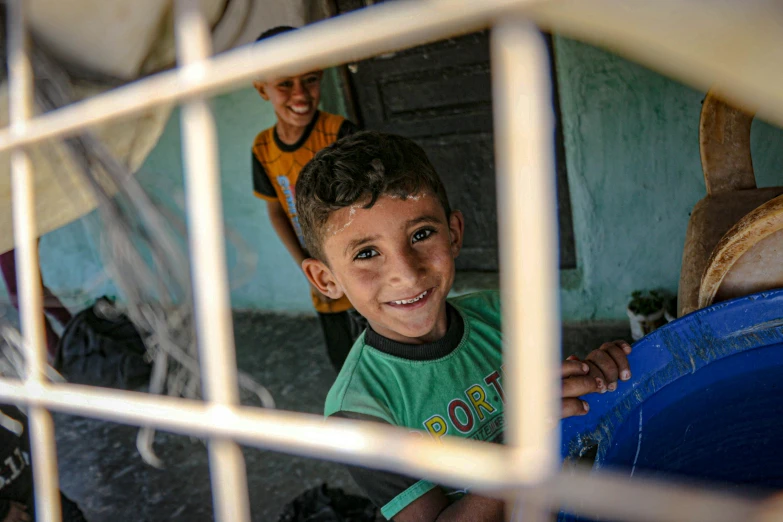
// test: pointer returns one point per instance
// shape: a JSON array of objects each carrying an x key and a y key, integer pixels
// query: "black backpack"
[{"x": 103, "y": 349}]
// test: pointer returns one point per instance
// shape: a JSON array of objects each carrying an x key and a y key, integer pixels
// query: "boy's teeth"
[{"x": 409, "y": 301}]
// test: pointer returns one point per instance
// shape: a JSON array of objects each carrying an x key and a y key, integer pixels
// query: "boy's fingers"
[
  {"x": 574, "y": 407},
  {"x": 605, "y": 363},
  {"x": 579, "y": 385},
  {"x": 597, "y": 376},
  {"x": 573, "y": 367},
  {"x": 617, "y": 353},
  {"x": 624, "y": 345}
]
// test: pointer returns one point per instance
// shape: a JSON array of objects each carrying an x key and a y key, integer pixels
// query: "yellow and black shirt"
[{"x": 276, "y": 167}]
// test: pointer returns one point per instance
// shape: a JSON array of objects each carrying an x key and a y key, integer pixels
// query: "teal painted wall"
[
  {"x": 631, "y": 141},
  {"x": 70, "y": 260},
  {"x": 634, "y": 174},
  {"x": 275, "y": 283}
]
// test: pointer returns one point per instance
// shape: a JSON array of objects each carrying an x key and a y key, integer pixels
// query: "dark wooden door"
[{"x": 440, "y": 95}]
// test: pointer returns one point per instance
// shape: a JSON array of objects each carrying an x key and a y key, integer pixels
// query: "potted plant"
[
  {"x": 645, "y": 312},
  {"x": 670, "y": 309}
]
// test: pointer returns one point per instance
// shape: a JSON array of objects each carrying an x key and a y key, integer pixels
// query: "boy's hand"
[
  {"x": 576, "y": 382},
  {"x": 610, "y": 363},
  {"x": 17, "y": 513},
  {"x": 599, "y": 372}
]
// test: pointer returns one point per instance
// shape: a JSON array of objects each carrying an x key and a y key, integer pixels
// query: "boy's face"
[
  {"x": 395, "y": 262},
  {"x": 294, "y": 99}
]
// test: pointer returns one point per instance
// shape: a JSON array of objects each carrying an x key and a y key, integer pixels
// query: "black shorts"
[{"x": 340, "y": 332}]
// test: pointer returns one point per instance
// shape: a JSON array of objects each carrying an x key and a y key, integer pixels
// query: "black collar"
[
  {"x": 422, "y": 352},
  {"x": 306, "y": 134}
]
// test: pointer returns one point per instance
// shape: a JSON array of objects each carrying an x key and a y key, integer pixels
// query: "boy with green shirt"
[{"x": 377, "y": 221}]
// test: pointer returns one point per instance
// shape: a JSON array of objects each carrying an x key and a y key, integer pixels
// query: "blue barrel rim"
[{"x": 669, "y": 353}]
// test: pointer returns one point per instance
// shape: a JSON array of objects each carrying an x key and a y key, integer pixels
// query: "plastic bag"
[{"x": 324, "y": 504}]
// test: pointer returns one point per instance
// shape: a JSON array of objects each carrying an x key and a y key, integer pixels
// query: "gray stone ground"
[{"x": 101, "y": 470}]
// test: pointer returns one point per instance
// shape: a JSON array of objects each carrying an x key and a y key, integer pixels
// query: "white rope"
[{"x": 142, "y": 254}]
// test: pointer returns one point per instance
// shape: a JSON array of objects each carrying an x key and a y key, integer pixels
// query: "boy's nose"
[
  {"x": 299, "y": 89},
  {"x": 405, "y": 270}
]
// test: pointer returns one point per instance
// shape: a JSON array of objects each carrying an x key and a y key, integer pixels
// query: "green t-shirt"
[{"x": 451, "y": 387}]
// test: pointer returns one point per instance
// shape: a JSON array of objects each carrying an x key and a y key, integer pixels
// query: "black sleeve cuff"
[{"x": 262, "y": 186}]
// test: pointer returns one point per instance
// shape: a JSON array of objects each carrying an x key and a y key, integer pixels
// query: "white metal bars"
[
  {"x": 214, "y": 327},
  {"x": 524, "y": 127},
  {"x": 451, "y": 462},
  {"x": 20, "y": 98},
  {"x": 489, "y": 468},
  {"x": 362, "y": 34}
]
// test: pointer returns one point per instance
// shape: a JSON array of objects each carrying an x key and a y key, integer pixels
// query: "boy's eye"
[
  {"x": 286, "y": 84},
  {"x": 424, "y": 233},
  {"x": 367, "y": 253},
  {"x": 311, "y": 80}
]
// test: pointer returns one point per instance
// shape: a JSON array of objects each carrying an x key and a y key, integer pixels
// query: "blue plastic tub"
[{"x": 705, "y": 400}]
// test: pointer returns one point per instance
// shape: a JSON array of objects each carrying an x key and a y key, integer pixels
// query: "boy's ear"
[
  {"x": 456, "y": 232},
  {"x": 321, "y": 277},
  {"x": 261, "y": 88}
]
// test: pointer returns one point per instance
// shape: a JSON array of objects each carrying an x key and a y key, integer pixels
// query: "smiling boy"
[
  {"x": 378, "y": 223},
  {"x": 278, "y": 154}
]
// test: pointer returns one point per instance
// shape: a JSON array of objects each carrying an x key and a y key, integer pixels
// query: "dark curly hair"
[{"x": 361, "y": 167}]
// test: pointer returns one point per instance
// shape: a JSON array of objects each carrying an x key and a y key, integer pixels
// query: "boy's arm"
[
  {"x": 278, "y": 216},
  {"x": 599, "y": 373},
  {"x": 282, "y": 225},
  {"x": 263, "y": 188},
  {"x": 385, "y": 488},
  {"x": 434, "y": 506}
]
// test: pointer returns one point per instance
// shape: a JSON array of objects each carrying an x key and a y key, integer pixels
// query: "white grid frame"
[{"x": 525, "y": 468}]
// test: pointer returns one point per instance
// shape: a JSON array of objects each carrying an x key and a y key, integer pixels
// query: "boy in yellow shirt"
[{"x": 278, "y": 154}]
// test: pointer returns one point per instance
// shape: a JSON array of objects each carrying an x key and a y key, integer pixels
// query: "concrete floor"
[{"x": 101, "y": 470}]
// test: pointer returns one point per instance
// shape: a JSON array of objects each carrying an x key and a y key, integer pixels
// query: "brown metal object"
[
  {"x": 747, "y": 258},
  {"x": 724, "y": 146},
  {"x": 731, "y": 231},
  {"x": 712, "y": 217}
]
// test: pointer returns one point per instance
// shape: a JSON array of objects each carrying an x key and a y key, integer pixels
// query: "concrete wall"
[
  {"x": 633, "y": 166},
  {"x": 631, "y": 141}
]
